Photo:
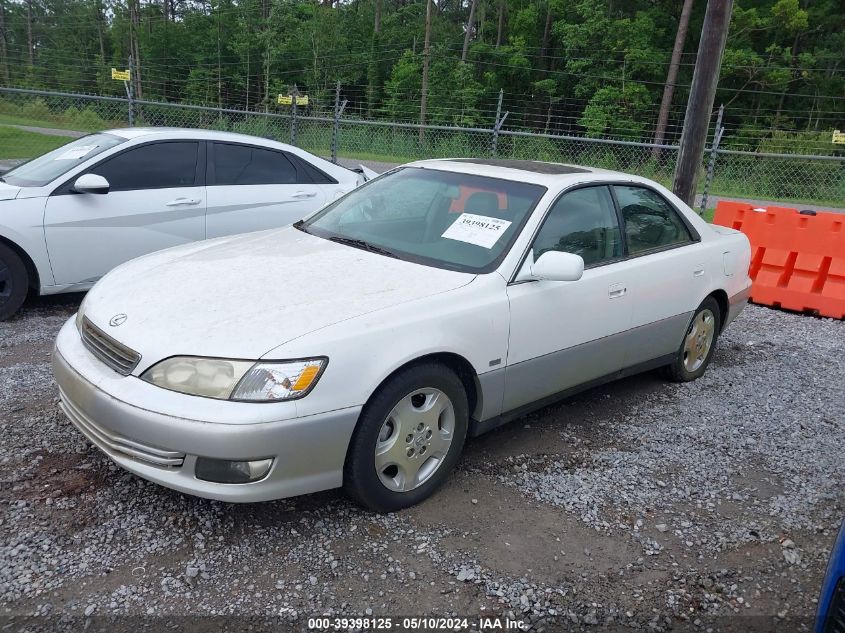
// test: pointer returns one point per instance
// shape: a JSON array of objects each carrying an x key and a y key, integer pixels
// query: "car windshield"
[
  {"x": 44, "y": 169},
  {"x": 445, "y": 219}
]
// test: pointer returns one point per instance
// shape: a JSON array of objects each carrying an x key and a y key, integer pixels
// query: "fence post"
[
  {"x": 711, "y": 164},
  {"x": 498, "y": 124},
  {"x": 338, "y": 110},
  {"x": 294, "y": 94},
  {"x": 130, "y": 93}
]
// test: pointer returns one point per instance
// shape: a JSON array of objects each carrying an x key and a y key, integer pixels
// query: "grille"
[
  {"x": 116, "y": 355},
  {"x": 112, "y": 443},
  {"x": 834, "y": 621}
]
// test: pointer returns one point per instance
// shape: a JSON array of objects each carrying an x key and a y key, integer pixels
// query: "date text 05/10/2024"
[{"x": 374, "y": 623}]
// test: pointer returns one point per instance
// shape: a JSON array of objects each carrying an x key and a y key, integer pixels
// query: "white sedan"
[
  {"x": 361, "y": 346},
  {"x": 70, "y": 216}
]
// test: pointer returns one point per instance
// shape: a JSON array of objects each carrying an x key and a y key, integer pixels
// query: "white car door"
[
  {"x": 562, "y": 333},
  {"x": 156, "y": 199},
  {"x": 668, "y": 275},
  {"x": 253, "y": 188}
]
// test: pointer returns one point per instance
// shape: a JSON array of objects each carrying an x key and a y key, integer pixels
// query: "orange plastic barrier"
[{"x": 797, "y": 258}]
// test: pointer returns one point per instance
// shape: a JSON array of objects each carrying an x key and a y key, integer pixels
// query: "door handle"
[
  {"x": 304, "y": 194},
  {"x": 183, "y": 201},
  {"x": 616, "y": 290},
  {"x": 698, "y": 272}
]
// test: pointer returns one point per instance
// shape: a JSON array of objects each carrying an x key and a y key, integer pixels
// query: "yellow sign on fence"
[
  {"x": 120, "y": 75},
  {"x": 838, "y": 137},
  {"x": 288, "y": 100}
]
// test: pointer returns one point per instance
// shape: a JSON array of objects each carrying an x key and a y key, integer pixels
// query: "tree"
[
  {"x": 469, "y": 30},
  {"x": 426, "y": 63},
  {"x": 4, "y": 45},
  {"x": 672, "y": 75}
]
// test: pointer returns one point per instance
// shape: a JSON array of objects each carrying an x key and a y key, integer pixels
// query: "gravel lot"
[{"x": 639, "y": 505}]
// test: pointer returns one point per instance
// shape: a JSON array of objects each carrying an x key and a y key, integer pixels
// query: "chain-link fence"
[{"x": 32, "y": 122}]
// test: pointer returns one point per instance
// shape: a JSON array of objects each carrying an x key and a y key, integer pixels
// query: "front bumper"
[{"x": 308, "y": 452}]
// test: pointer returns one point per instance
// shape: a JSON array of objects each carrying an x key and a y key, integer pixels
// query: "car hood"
[
  {"x": 8, "y": 192},
  {"x": 242, "y": 296}
]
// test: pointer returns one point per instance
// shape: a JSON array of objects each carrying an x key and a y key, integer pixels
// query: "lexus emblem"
[{"x": 118, "y": 319}]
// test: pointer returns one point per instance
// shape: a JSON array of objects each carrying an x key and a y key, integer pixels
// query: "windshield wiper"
[{"x": 366, "y": 246}]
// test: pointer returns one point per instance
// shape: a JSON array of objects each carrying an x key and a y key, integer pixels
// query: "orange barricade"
[{"x": 797, "y": 258}]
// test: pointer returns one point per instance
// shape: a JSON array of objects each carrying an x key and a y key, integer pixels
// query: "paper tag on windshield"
[
  {"x": 76, "y": 153},
  {"x": 476, "y": 229}
]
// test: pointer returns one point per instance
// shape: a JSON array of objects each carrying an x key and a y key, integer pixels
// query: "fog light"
[{"x": 224, "y": 471}]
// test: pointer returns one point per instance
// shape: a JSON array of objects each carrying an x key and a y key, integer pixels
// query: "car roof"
[
  {"x": 545, "y": 173},
  {"x": 193, "y": 133}
]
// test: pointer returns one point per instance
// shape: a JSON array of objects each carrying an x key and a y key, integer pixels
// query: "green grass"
[
  {"x": 741, "y": 190},
  {"x": 57, "y": 123},
  {"x": 15, "y": 143}
]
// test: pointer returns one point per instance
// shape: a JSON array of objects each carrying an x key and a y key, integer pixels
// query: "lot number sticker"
[
  {"x": 76, "y": 153},
  {"x": 476, "y": 229}
]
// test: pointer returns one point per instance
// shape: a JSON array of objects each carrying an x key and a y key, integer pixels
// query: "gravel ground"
[{"x": 641, "y": 505}]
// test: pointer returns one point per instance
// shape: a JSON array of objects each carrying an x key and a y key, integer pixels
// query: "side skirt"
[{"x": 477, "y": 427}]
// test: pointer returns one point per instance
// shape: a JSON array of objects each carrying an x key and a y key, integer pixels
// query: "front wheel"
[
  {"x": 409, "y": 437},
  {"x": 698, "y": 345},
  {"x": 13, "y": 282}
]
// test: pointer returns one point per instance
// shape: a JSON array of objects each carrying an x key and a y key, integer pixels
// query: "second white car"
[{"x": 73, "y": 214}]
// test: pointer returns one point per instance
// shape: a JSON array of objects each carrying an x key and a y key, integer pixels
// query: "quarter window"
[
  {"x": 583, "y": 222},
  {"x": 245, "y": 165},
  {"x": 153, "y": 166},
  {"x": 650, "y": 221}
]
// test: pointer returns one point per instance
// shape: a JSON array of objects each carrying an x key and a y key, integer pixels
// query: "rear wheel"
[
  {"x": 13, "y": 282},
  {"x": 698, "y": 345},
  {"x": 409, "y": 437}
]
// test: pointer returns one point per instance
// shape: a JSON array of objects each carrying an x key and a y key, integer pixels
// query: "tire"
[
  {"x": 698, "y": 345},
  {"x": 14, "y": 282},
  {"x": 408, "y": 439}
]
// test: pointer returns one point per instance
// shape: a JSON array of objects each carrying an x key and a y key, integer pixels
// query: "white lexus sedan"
[
  {"x": 361, "y": 346},
  {"x": 73, "y": 214}
]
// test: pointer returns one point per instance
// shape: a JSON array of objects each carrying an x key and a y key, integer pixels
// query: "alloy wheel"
[
  {"x": 414, "y": 439},
  {"x": 699, "y": 340}
]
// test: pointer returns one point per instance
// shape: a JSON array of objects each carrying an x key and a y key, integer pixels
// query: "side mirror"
[
  {"x": 558, "y": 266},
  {"x": 91, "y": 183}
]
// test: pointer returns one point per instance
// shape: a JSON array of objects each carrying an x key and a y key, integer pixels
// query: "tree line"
[{"x": 603, "y": 68}]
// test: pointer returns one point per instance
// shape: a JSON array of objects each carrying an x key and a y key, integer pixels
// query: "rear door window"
[
  {"x": 247, "y": 165},
  {"x": 650, "y": 221}
]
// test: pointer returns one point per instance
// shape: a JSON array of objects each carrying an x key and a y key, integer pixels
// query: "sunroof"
[{"x": 526, "y": 165}]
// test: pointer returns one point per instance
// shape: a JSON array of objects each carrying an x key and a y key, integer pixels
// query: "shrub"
[{"x": 37, "y": 109}]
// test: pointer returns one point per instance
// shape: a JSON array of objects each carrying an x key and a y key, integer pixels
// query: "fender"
[{"x": 22, "y": 227}]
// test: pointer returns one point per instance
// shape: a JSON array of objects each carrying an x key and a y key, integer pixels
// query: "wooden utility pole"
[
  {"x": 426, "y": 52},
  {"x": 717, "y": 19},
  {"x": 470, "y": 25},
  {"x": 671, "y": 77}
]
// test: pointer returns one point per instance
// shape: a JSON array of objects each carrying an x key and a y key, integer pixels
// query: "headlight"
[
  {"x": 237, "y": 379},
  {"x": 279, "y": 381},
  {"x": 80, "y": 312}
]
